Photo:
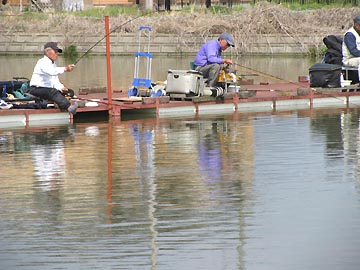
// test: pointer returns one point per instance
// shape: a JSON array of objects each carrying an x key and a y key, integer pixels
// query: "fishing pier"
[{"x": 250, "y": 97}]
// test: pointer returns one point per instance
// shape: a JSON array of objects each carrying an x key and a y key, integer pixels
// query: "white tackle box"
[{"x": 189, "y": 82}]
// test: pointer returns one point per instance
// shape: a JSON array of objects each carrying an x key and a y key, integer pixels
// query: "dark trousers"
[
  {"x": 50, "y": 94},
  {"x": 211, "y": 72}
]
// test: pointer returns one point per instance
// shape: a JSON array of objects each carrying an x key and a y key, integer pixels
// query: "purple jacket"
[{"x": 209, "y": 53}]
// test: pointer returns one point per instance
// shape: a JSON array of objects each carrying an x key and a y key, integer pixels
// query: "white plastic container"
[
  {"x": 233, "y": 88},
  {"x": 345, "y": 83},
  {"x": 184, "y": 82}
]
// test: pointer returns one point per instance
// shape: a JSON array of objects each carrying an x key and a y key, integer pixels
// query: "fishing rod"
[
  {"x": 288, "y": 81},
  {"x": 106, "y": 102},
  {"x": 263, "y": 74},
  {"x": 133, "y": 19},
  {"x": 246, "y": 73}
]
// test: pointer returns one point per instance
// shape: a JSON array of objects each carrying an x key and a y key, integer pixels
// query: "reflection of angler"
[
  {"x": 210, "y": 160},
  {"x": 48, "y": 155},
  {"x": 49, "y": 164}
]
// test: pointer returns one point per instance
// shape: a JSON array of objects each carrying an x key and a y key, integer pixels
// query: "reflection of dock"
[
  {"x": 250, "y": 98},
  {"x": 141, "y": 208}
]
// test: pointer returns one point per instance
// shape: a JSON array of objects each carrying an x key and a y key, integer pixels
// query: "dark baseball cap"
[
  {"x": 357, "y": 20},
  {"x": 228, "y": 39},
  {"x": 53, "y": 45}
]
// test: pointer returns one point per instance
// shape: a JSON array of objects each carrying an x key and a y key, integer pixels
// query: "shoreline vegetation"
[{"x": 244, "y": 23}]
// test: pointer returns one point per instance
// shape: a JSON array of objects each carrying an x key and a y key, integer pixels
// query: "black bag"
[
  {"x": 325, "y": 75},
  {"x": 333, "y": 54}
]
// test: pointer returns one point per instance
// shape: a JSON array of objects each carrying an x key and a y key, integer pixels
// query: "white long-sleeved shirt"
[{"x": 46, "y": 74}]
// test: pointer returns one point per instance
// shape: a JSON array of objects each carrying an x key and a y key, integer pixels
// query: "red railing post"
[{"x": 108, "y": 64}]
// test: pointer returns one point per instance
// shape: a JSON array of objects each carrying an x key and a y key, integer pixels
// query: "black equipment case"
[{"x": 325, "y": 75}]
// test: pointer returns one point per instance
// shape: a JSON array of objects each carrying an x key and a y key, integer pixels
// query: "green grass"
[
  {"x": 312, "y": 6},
  {"x": 317, "y": 52},
  {"x": 97, "y": 12},
  {"x": 32, "y": 15},
  {"x": 111, "y": 11},
  {"x": 212, "y": 10}
]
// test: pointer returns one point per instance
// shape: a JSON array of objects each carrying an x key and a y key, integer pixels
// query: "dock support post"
[
  {"x": 157, "y": 102},
  {"x": 71, "y": 116},
  {"x": 27, "y": 119},
  {"x": 236, "y": 101},
  {"x": 108, "y": 64},
  {"x": 274, "y": 104},
  {"x": 115, "y": 111},
  {"x": 311, "y": 98}
]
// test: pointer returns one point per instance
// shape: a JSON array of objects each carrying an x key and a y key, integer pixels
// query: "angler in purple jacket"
[{"x": 208, "y": 60}]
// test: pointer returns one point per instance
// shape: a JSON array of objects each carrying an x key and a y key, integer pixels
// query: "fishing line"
[{"x": 133, "y": 19}]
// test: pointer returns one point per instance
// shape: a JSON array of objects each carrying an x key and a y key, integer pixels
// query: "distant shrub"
[
  {"x": 317, "y": 51},
  {"x": 71, "y": 52}
]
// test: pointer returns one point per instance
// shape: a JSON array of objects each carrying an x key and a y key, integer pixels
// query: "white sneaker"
[{"x": 4, "y": 105}]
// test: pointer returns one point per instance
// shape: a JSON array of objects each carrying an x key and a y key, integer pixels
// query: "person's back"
[{"x": 209, "y": 53}]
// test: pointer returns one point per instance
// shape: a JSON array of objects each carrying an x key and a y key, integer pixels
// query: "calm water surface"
[{"x": 263, "y": 191}]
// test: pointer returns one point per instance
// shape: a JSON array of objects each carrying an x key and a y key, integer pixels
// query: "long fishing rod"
[
  {"x": 106, "y": 102},
  {"x": 288, "y": 81},
  {"x": 263, "y": 74},
  {"x": 133, "y": 19}
]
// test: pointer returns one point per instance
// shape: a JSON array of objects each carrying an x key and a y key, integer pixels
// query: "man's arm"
[
  {"x": 350, "y": 42},
  {"x": 213, "y": 58}
]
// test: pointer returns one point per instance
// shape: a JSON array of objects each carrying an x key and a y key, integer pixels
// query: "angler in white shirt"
[{"x": 45, "y": 82}]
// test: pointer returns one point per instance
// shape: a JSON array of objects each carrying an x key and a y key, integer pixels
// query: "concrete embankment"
[{"x": 127, "y": 43}]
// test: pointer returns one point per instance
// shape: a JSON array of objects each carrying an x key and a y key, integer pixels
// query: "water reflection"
[
  {"x": 342, "y": 141},
  {"x": 144, "y": 158},
  {"x": 261, "y": 191},
  {"x": 48, "y": 155}
]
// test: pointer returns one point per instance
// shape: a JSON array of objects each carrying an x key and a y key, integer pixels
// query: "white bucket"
[
  {"x": 233, "y": 88},
  {"x": 345, "y": 83}
]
